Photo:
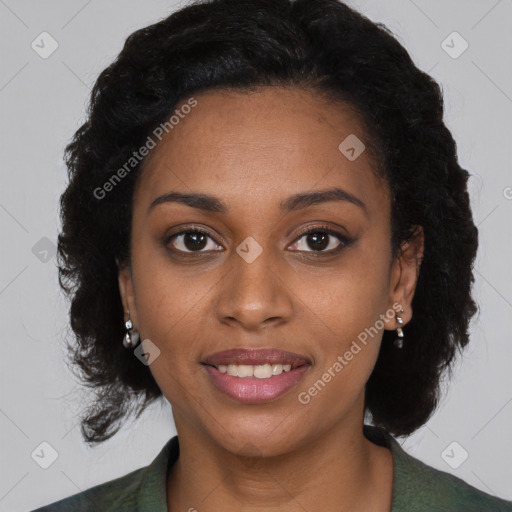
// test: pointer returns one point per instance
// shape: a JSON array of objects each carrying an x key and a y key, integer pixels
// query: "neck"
[{"x": 340, "y": 470}]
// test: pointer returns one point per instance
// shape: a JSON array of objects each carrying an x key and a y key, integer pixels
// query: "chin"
[{"x": 252, "y": 438}]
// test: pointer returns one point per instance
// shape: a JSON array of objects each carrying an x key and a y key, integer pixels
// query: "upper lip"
[{"x": 256, "y": 357}]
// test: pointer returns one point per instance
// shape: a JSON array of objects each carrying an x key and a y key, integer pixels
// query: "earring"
[
  {"x": 130, "y": 338},
  {"x": 399, "y": 343}
]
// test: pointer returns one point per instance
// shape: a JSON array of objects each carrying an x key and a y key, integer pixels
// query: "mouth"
[
  {"x": 260, "y": 363},
  {"x": 260, "y": 371},
  {"x": 255, "y": 375}
]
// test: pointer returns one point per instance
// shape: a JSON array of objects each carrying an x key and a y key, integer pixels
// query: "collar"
[{"x": 152, "y": 493}]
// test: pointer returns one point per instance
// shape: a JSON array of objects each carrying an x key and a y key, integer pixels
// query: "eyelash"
[{"x": 345, "y": 241}]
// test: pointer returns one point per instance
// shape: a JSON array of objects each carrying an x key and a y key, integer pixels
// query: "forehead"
[{"x": 269, "y": 143}]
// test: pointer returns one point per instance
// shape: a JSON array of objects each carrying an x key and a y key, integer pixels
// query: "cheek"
[
  {"x": 351, "y": 296},
  {"x": 348, "y": 307},
  {"x": 172, "y": 311},
  {"x": 168, "y": 317},
  {"x": 346, "y": 358},
  {"x": 169, "y": 314}
]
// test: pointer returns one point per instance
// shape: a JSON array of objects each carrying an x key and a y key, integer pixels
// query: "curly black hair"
[{"x": 326, "y": 47}]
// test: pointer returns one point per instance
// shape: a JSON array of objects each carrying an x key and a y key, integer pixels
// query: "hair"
[{"x": 323, "y": 46}]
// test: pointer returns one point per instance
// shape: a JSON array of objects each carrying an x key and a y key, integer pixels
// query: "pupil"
[
  {"x": 198, "y": 241},
  {"x": 324, "y": 242}
]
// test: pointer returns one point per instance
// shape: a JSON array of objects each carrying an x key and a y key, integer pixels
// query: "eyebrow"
[{"x": 209, "y": 203}]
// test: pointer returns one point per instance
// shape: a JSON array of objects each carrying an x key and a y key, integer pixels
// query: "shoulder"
[
  {"x": 140, "y": 490},
  {"x": 419, "y": 488},
  {"x": 118, "y": 494},
  {"x": 430, "y": 487}
]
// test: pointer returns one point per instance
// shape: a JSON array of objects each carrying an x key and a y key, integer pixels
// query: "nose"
[{"x": 254, "y": 294}]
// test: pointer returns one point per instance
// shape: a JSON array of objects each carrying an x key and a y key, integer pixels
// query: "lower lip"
[{"x": 251, "y": 390}]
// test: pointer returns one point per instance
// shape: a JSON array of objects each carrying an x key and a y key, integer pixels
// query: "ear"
[
  {"x": 404, "y": 277},
  {"x": 126, "y": 292}
]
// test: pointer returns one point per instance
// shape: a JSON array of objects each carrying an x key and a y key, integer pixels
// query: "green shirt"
[{"x": 416, "y": 486}]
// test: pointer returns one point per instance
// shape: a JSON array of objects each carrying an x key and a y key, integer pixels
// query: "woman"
[{"x": 266, "y": 197}]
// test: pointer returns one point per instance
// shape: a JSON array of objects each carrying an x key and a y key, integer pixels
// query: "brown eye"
[
  {"x": 321, "y": 239},
  {"x": 192, "y": 240}
]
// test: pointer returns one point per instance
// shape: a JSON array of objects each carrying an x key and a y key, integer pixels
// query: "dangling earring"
[
  {"x": 399, "y": 343},
  {"x": 130, "y": 338}
]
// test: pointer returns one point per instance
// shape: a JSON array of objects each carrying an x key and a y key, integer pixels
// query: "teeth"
[{"x": 260, "y": 371}]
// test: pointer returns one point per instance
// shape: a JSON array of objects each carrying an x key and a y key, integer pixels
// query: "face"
[{"x": 252, "y": 279}]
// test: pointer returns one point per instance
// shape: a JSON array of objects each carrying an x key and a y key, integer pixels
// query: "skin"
[{"x": 253, "y": 150}]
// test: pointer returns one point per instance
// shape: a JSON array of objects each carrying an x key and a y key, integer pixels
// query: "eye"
[
  {"x": 192, "y": 240},
  {"x": 321, "y": 239}
]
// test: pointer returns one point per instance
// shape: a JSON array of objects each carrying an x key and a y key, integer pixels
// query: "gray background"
[{"x": 42, "y": 103}]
